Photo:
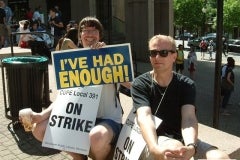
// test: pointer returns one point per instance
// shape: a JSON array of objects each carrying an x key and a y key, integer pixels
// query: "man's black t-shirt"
[{"x": 180, "y": 91}]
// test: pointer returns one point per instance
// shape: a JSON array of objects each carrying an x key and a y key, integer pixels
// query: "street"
[{"x": 205, "y": 74}]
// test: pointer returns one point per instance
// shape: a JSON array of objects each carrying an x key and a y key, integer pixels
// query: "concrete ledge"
[
  {"x": 224, "y": 141},
  {"x": 18, "y": 51}
]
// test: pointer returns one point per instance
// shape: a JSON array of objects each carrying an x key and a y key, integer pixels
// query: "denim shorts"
[{"x": 116, "y": 127}]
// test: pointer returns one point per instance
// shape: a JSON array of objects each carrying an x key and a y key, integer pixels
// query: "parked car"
[
  {"x": 185, "y": 36},
  {"x": 195, "y": 42},
  {"x": 211, "y": 35},
  {"x": 234, "y": 45}
]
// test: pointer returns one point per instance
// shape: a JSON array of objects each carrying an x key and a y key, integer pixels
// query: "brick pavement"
[{"x": 17, "y": 144}]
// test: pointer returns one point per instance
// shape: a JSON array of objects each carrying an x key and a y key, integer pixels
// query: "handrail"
[{"x": 34, "y": 32}]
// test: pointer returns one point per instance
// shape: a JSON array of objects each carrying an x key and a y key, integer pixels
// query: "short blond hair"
[{"x": 164, "y": 38}]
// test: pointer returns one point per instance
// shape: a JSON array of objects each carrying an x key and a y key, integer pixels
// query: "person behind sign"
[
  {"x": 69, "y": 41},
  {"x": 109, "y": 117},
  {"x": 169, "y": 96}
]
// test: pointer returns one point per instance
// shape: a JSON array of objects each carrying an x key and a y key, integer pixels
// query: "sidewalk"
[{"x": 17, "y": 144}]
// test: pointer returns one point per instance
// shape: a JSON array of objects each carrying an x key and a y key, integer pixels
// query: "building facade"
[{"x": 124, "y": 21}]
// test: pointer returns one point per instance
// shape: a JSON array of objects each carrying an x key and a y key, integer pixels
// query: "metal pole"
[
  {"x": 11, "y": 41},
  {"x": 183, "y": 38},
  {"x": 218, "y": 63}
]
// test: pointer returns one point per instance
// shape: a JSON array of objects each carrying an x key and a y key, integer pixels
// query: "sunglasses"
[
  {"x": 86, "y": 31},
  {"x": 162, "y": 53}
]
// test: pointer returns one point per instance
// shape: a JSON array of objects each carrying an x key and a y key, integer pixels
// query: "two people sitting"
[{"x": 40, "y": 43}]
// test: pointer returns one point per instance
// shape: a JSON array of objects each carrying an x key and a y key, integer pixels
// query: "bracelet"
[{"x": 194, "y": 145}]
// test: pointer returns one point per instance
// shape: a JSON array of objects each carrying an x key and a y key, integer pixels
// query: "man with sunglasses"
[{"x": 171, "y": 97}]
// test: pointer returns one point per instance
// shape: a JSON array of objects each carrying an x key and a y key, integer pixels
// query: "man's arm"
[
  {"x": 229, "y": 78},
  {"x": 44, "y": 115},
  {"x": 127, "y": 84},
  {"x": 59, "y": 24},
  {"x": 147, "y": 126},
  {"x": 10, "y": 15},
  {"x": 189, "y": 126}
]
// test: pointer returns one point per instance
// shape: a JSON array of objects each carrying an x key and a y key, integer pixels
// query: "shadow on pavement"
[{"x": 27, "y": 143}]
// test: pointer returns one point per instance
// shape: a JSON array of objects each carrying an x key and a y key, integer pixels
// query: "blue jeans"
[{"x": 116, "y": 127}]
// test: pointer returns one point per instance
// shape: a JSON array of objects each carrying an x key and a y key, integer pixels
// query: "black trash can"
[{"x": 27, "y": 84}]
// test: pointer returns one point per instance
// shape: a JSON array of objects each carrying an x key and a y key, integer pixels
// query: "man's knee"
[
  {"x": 206, "y": 150},
  {"x": 169, "y": 142},
  {"x": 216, "y": 154},
  {"x": 100, "y": 141},
  {"x": 100, "y": 136},
  {"x": 172, "y": 143}
]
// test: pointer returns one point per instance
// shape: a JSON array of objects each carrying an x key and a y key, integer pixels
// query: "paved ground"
[{"x": 17, "y": 144}]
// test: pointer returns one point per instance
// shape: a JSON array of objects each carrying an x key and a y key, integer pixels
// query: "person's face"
[
  {"x": 35, "y": 26},
  {"x": 162, "y": 62},
  {"x": 89, "y": 36},
  {"x": 51, "y": 13},
  {"x": 75, "y": 25},
  {"x": 68, "y": 27}
]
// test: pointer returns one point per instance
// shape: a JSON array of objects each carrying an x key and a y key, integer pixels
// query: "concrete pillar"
[
  {"x": 150, "y": 18},
  {"x": 163, "y": 17},
  {"x": 145, "y": 18},
  {"x": 80, "y": 9},
  {"x": 136, "y": 13}
]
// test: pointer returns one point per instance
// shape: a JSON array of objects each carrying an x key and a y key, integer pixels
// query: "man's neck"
[{"x": 162, "y": 78}]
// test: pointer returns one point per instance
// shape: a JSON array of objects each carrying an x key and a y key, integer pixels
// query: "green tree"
[
  {"x": 231, "y": 12},
  {"x": 188, "y": 14}
]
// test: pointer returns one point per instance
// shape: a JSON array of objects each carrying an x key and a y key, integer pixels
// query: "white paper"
[
  {"x": 130, "y": 142},
  {"x": 76, "y": 109}
]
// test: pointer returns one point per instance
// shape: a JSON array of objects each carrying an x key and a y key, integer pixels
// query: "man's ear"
[{"x": 174, "y": 56}]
